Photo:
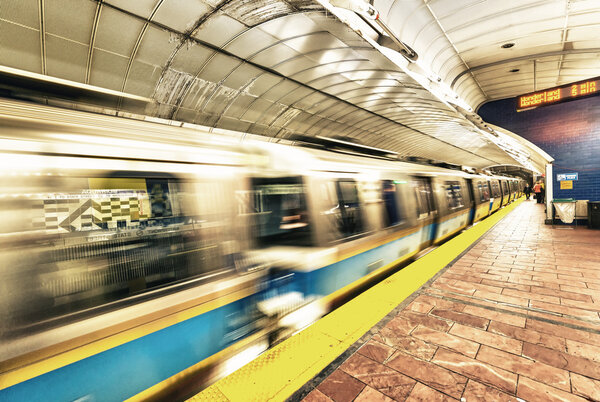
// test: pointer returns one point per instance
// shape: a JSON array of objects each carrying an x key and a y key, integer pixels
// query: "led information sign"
[{"x": 563, "y": 93}]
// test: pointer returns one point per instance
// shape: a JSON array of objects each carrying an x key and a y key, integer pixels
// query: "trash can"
[
  {"x": 565, "y": 209},
  {"x": 594, "y": 214}
]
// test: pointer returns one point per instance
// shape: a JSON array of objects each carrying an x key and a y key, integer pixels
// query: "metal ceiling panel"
[
  {"x": 331, "y": 55},
  {"x": 181, "y": 14},
  {"x": 143, "y": 8},
  {"x": 280, "y": 90},
  {"x": 585, "y": 33},
  {"x": 263, "y": 83},
  {"x": 108, "y": 70},
  {"x": 255, "y": 12},
  {"x": 117, "y": 32},
  {"x": 250, "y": 42},
  {"x": 66, "y": 59},
  {"x": 290, "y": 26},
  {"x": 199, "y": 91},
  {"x": 274, "y": 55},
  {"x": 271, "y": 113},
  {"x": 294, "y": 65},
  {"x": 297, "y": 94},
  {"x": 314, "y": 42},
  {"x": 238, "y": 107},
  {"x": 256, "y": 109},
  {"x": 308, "y": 102},
  {"x": 142, "y": 79},
  {"x": 20, "y": 47},
  {"x": 242, "y": 76},
  {"x": 218, "y": 68},
  {"x": 156, "y": 47},
  {"x": 328, "y": 81},
  {"x": 191, "y": 59},
  {"x": 218, "y": 29},
  {"x": 79, "y": 13},
  {"x": 312, "y": 73},
  {"x": 22, "y": 12}
]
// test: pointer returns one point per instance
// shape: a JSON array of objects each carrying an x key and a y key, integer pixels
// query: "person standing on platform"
[
  {"x": 537, "y": 190},
  {"x": 542, "y": 192},
  {"x": 527, "y": 191}
]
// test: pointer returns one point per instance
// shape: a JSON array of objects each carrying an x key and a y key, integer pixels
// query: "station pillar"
[{"x": 549, "y": 192}]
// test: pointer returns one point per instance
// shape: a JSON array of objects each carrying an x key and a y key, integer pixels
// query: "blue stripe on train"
[
  {"x": 129, "y": 369},
  {"x": 326, "y": 280}
]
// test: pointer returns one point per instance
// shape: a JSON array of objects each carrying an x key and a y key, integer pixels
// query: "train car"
[
  {"x": 454, "y": 202},
  {"x": 495, "y": 194},
  {"x": 131, "y": 247},
  {"x": 480, "y": 194},
  {"x": 505, "y": 191},
  {"x": 124, "y": 256}
]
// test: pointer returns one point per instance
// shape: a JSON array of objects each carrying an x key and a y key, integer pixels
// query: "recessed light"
[
  {"x": 507, "y": 45},
  {"x": 514, "y": 70}
]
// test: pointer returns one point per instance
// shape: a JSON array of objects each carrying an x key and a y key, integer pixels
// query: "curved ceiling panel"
[
  {"x": 268, "y": 67},
  {"x": 554, "y": 42}
]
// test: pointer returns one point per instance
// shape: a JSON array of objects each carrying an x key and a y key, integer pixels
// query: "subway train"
[{"x": 142, "y": 260}]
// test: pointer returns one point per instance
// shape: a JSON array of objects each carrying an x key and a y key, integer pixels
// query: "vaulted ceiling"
[
  {"x": 284, "y": 67},
  {"x": 554, "y": 42}
]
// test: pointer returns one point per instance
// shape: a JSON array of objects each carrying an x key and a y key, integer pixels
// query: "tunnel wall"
[{"x": 569, "y": 132}]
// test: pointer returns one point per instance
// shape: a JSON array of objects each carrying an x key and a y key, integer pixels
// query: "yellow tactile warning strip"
[{"x": 279, "y": 372}]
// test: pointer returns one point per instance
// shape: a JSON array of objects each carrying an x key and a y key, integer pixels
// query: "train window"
[
  {"x": 391, "y": 200},
  {"x": 423, "y": 195},
  {"x": 454, "y": 197},
  {"x": 281, "y": 211},
  {"x": 350, "y": 208},
  {"x": 504, "y": 187},
  {"x": 495, "y": 189},
  {"x": 344, "y": 209},
  {"x": 85, "y": 242},
  {"x": 484, "y": 191}
]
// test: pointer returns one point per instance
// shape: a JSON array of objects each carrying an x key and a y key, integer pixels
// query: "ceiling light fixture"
[{"x": 507, "y": 45}]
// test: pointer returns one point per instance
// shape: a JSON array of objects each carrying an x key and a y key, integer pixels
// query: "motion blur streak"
[{"x": 134, "y": 247}]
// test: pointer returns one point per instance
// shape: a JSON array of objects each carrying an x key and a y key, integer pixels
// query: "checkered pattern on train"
[{"x": 85, "y": 213}]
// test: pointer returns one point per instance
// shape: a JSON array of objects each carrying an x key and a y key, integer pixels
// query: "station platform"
[{"x": 508, "y": 309}]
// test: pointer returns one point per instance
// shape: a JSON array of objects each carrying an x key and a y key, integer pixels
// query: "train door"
[
  {"x": 426, "y": 209},
  {"x": 505, "y": 192},
  {"x": 454, "y": 207},
  {"x": 474, "y": 197},
  {"x": 482, "y": 203},
  {"x": 496, "y": 195}
]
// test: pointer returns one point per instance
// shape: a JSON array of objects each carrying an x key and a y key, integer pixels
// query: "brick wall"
[{"x": 569, "y": 132}]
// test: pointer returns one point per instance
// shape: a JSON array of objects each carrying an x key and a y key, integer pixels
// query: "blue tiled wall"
[{"x": 569, "y": 132}]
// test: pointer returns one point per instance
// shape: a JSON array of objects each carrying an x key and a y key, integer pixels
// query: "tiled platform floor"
[{"x": 517, "y": 316}]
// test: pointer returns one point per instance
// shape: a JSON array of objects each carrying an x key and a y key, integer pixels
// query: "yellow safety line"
[{"x": 279, "y": 372}]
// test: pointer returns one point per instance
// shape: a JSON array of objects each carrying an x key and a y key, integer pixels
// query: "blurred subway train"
[{"x": 141, "y": 260}]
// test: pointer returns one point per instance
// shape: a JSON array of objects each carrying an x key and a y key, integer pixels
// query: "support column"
[{"x": 549, "y": 192}]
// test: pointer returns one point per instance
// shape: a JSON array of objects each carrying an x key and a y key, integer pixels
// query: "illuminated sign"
[
  {"x": 567, "y": 176},
  {"x": 563, "y": 93}
]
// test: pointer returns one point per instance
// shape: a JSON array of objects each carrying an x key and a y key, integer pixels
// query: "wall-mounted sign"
[
  {"x": 566, "y": 185},
  {"x": 567, "y": 176},
  {"x": 563, "y": 93}
]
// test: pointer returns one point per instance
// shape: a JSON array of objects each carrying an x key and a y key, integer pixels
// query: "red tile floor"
[{"x": 516, "y": 317}]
